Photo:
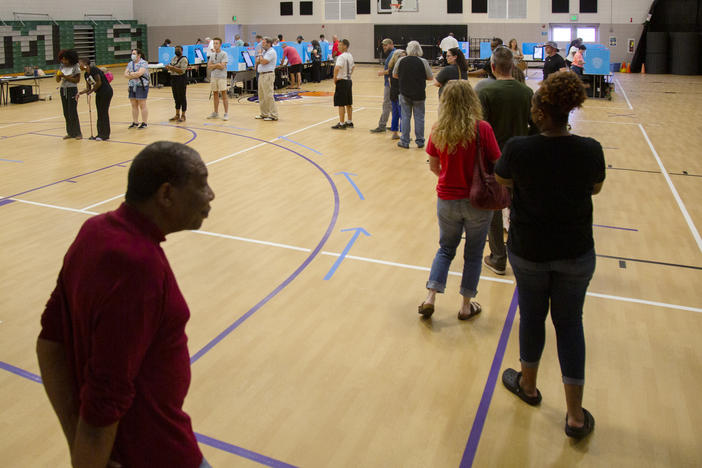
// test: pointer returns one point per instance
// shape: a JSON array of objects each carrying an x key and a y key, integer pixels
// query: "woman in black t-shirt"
[
  {"x": 97, "y": 84},
  {"x": 553, "y": 176},
  {"x": 457, "y": 69}
]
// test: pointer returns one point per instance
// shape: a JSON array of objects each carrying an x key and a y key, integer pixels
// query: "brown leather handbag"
[{"x": 486, "y": 193}]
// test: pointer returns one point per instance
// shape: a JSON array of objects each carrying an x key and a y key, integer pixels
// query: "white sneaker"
[
  {"x": 213, "y": 115},
  {"x": 225, "y": 117}
]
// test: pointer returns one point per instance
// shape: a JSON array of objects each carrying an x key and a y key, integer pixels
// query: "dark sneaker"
[
  {"x": 349, "y": 124},
  {"x": 143, "y": 125},
  {"x": 339, "y": 126},
  {"x": 133, "y": 125},
  {"x": 378, "y": 130},
  {"x": 402, "y": 145},
  {"x": 492, "y": 266},
  {"x": 420, "y": 145}
]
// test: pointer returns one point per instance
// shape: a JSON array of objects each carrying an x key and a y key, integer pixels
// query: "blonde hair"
[
  {"x": 399, "y": 53},
  {"x": 459, "y": 113}
]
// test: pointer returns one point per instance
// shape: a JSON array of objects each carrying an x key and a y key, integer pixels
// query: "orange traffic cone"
[
  {"x": 643, "y": 68},
  {"x": 628, "y": 67},
  {"x": 622, "y": 69}
]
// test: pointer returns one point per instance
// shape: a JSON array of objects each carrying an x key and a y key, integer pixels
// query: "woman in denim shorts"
[{"x": 137, "y": 72}]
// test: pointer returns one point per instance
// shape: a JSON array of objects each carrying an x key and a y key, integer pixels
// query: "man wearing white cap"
[{"x": 553, "y": 61}]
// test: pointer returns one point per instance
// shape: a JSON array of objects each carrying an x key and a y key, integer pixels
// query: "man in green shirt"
[{"x": 507, "y": 107}]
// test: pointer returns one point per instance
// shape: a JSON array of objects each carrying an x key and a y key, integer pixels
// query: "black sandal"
[
  {"x": 475, "y": 309},
  {"x": 510, "y": 379},
  {"x": 426, "y": 310},
  {"x": 580, "y": 432}
]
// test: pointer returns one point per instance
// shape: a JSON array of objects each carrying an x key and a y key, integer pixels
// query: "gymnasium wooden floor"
[{"x": 306, "y": 356}]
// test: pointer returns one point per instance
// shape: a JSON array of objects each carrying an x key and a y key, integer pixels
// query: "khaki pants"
[{"x": 266, "y": 101}]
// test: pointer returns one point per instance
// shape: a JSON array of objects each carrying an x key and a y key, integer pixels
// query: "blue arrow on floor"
[
  {"x": 358, "y": 232},
  {"x": 348, "y": 176}
]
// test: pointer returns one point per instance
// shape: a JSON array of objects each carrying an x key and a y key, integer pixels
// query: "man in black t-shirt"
[
  {"x": 413, "y": 72},
  {"x": 486, "y": 70},
  {"x": 553, "y": 61}
]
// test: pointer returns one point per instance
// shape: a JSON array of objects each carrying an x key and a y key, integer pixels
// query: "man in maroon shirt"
[{"x": 112, "y": 351}]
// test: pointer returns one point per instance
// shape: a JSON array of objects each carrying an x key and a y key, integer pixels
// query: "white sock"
[{"x": 348, "y": 121}]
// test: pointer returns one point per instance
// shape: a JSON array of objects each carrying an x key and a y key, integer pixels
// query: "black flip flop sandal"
[
  {"x": 426, "y": 310},
  {"x": 510, "y": 379},
  {"x": 580, "y": 432},
  {"x": 475, "y": 309}
]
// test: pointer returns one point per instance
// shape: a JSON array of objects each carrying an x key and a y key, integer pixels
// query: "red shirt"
[
  {"x": 291, "y": 54},
  {"x": 121, "y": 318},
  {"x": 456, "y": 172},
  {"x": 335, "y": 49}
]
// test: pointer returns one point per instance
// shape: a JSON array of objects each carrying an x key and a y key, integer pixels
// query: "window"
[
  {"x": 587, "y": 33},
  {"x": 306, "y": 8},
  {"x": 507, "y": 8},
  {"x": 363, "y": 7},
  {"x": 560, "y": 6},
  {"x": 479, "y": 6},
  {"x": 286, "y": 8},
  {"x": 561, "y": 34},
  {"x": 340, "y": 9},
  {"x": 454, "y": 6},
  {"x": 588, "y": 6},
  {"x": 564, "y": 33}
]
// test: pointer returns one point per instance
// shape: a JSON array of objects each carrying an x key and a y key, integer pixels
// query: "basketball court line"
[
  {"x": 681, "y": 205},
  {"x": 628, "y": 103},
  {"x": 389, "y": 263},
  {"x": 203, "y": 439}
]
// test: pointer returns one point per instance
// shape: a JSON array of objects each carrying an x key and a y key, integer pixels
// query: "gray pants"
[
  {"x": 496, "y": 239},
  {"x": 387, "y": 108}
]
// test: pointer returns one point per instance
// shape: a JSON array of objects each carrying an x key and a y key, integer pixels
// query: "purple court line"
[
  {"x": 205, "y": 349},
  {"x": 203, "y": 439},
  {"x": 480, "y": 416},
  {"x": 615, "y": 227},
  {"x": 21, "y": 372},
  {"x": 242, "y": 452},
  {"x": 110, "y": 140},
  {"x": 300, "y": 144},
  {"x": 11, "y": 160},
  {"x": 4, "y": 201}
]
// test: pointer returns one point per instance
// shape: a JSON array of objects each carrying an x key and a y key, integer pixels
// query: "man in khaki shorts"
[{"x": 217, "y": 65}]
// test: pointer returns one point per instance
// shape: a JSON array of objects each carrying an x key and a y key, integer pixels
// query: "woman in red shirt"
[{"x": 452, "y": 150}]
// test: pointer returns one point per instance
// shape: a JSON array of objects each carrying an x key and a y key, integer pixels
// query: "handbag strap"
[{"x": 478, "y": 163}]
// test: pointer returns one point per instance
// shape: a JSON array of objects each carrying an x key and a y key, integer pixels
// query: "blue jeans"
[
  {"x": 396, "y": 113},
  {"x": 563, "y": 284},
  {"x": 455, "y": 216},
  {"x": 408, "y": 106}
]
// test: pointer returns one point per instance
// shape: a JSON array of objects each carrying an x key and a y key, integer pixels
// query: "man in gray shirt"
[{"x": 217, "y": 64}]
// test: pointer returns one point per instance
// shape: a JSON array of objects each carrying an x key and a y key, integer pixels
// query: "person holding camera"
[
  {"x": 98, "y": 84},
  {"x": 69, "y": 76},
  {"x": 137, "y": 72}
]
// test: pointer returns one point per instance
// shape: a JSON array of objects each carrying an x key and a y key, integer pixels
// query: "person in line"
[
  {"x": 166, "y": 43},
  {"x": 389, "y": 50},
  {"x": 343, "y": 95},
  {"x": 208, "y": 51},
  {"x": 299, "y": 39},
  {"x": 448, "y": 43},
  {"x": 98, "y": 84},
  {"x": 265, "y": 66},
  {"x": 335, "y": 47},
  {"x": 294, "y": 66},
  {"x": 486, "y": 70},
  {"x": 137, "y": 72},
  {"x": 177, "y": 69},
  {"x": 316, "y": 56},
  {"x": 572, "y": 49},
  {"x": 517, "y": 54},
  {"x": 452, "y": 148},
  {"x": 112, "y": 351},
  {"x": 217, "y": 65},
  {"x": 238, "y": 41},
  {"x": 553, "y": 177},
  {"x": 553, "y": 62},
  {"x": 395, "y": 95},
  {"x": 457, "y": 69},
  {"x": 578, "y": 61},
  {"x": 506, "y": 105},
  {"x": 413, "y": 72},
  {"x": 69, "y": 77},
  {"x": 323, "y": 40}
]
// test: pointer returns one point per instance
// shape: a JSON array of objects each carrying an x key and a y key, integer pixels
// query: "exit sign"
[{"x": 574, "y": 17}]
